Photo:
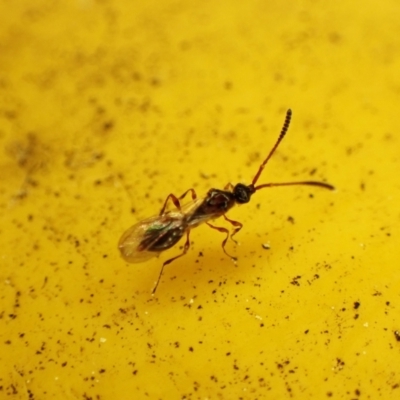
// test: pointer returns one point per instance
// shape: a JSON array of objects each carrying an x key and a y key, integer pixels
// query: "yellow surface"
[{"x": 107, "y": 107}]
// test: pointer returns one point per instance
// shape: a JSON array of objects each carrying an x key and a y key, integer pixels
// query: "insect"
[{"x": 150, "y": 237}]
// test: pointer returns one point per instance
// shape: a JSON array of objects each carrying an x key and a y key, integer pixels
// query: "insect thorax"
[{"x": 216, "y": 203}]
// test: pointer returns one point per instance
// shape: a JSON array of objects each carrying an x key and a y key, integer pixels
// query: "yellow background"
[{"x": 107, "y": 107}]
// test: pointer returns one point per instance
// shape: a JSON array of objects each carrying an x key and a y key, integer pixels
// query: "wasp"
[{"x": 150, "y": 237}]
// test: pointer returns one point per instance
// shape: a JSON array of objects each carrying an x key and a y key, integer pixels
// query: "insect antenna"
[
  {"x": 284, "y": 129},
  {"x": 310, "y": 183}
]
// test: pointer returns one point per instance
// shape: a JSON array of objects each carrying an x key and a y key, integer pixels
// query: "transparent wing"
[
  {"x": 190, "y": 207},
  {"x": 136, "y": 242}
]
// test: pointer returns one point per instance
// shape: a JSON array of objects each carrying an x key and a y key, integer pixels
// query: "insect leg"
[
  {"x": 229, "y": 187},
  {"x": 223, "y": 230},
  {"x": 238, "y": 226},
  {"x": 175, "y": 200},
  {"x": 185, "y": 249}
]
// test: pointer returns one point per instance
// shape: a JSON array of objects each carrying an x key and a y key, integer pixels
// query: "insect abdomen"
[{"x": 162, "y": 241}]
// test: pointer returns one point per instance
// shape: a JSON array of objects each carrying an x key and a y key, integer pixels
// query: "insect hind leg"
[
  {"x": 223, "y": 230},
  {"x": 176, "y": 200},
  {"x": 185, "y": 249}
]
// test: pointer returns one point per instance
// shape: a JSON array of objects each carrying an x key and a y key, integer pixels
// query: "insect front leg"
[
  {"x": 185, "y": 249},
  {"x": 223, "y": 230},
  {"x": 176, "y": 200},
  {"x": 238, "y": 226}
]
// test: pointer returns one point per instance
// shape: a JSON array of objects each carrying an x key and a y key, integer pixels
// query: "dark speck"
[
  {"x": 290, "y": 219},
  {"x": 357, "y": 304},
  {"x": 334, "y": 38},
  {"x": 155, "y": 82},
  {"x": 397, "y": 335},
  {"x": 228, "y": 85},
  {"x": 295, "y": 281}
]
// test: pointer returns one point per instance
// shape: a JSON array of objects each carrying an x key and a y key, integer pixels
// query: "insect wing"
[
  {"x": 190, "y": 207},
  {"x": 135, "y": 243}
]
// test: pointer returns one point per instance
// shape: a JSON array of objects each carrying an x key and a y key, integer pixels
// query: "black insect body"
[{"x": 150, "y": 237}]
